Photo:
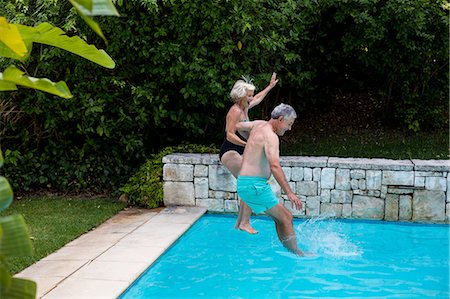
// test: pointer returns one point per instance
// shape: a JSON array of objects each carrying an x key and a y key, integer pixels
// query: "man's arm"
[{"x": 272, "y": 152}]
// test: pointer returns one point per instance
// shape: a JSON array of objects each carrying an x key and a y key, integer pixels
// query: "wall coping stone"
[
  {"x": 188, "y": 158},
  {"x": 431, "y": 165},
  {"x": 370, "y": 163},
  {"x": 312, "y": 161}
]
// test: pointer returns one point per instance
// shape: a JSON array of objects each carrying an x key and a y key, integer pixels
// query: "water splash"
[{"x": 324, "y": 236}]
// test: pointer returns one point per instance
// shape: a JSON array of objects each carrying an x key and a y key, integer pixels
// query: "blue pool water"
[{"x": 353, "y": 259}]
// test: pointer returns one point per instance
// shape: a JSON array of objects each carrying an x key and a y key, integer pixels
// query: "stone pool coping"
[{"x": 105, "y": 261}]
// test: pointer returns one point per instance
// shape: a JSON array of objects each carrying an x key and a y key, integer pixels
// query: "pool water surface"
[{"x": 352, "y": 259}]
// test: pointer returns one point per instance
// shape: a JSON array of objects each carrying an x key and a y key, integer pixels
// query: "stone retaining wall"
[{"x": 392, "y": 190}]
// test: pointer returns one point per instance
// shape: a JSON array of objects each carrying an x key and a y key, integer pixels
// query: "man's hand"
[{"x": 295, "y": 201}]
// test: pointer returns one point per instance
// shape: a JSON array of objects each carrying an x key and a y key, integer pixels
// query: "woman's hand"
[{"x": 273, "y": 80}]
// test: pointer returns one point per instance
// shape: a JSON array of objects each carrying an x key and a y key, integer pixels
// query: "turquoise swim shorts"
[{"x": 256, "y": 192}]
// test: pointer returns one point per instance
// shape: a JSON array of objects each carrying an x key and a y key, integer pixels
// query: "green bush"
[
  {"x": 176, "y": 63},
  {"x": 145, "y": 188}
]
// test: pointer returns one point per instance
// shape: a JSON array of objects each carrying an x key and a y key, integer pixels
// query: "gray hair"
[
  {"x": 240, "y": 89},
  {"x": 283, "y": 110}
]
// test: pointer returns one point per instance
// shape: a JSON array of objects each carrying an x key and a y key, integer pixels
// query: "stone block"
[
  {"x": 341, "y": 196},
  {"x": 428, "y": 205},
  {"x": 328, "y": 178},
  {"x": 403, "y": 178},
  {"x": 357, "y": 174},
  {"x": 211, "y": 204},
  {"x": 347, "y": 210},
  {"x": 178, "y": 172},
  {"x": 429, "y": 173},
  {"x": 307, "y": 174},
  {"x": 287, "y": 172},
  {"x": 436, "y": 183},
  {"x": 316, "y": 174},
  {"x": 379, "y": 164},
  {"x": 221, "y": 179},
  {"x": 231, "y": 206},
  {"x": 200, "y": 170},
  {"x": 325, "y": 195},
  {"x": 362, "y": 184},
  {"x": 431, "y": 165},
  {"x": 400, "y": 190},
  {"x": 354, "y": 184},
  {"x": 302, "y": 161},
  {"x": 367, "y": 207},
  {"x": 375, "y": 193},
  {"x": 405, "y": 207},
  {"x": 342, "y": 179},
  {"x": 179, "y": 194},
  {"x": 331, "y": 209},
  {"x": 201, "y": 187},
  {"x": 447, "y": 212},
  {"x": 447, "y": 197},
  {"x": 391, "y": 207},
  {"x": 419, "y": 181},
  {"x": 297, "y": 174},
  {"x": 373, "y": 179},
  {"x": 308, "y": 188},
  {"x": 313, "y": 206},
  {"x": 221, "y": 194}
]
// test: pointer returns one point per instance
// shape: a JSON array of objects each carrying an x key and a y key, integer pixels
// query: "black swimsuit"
[{"x": 229, "y": 146}]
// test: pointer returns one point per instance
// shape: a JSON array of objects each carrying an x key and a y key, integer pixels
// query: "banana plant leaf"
[
  {"x": 13, "y": 75},
  {"x": 48, "y": 34},
  {"x": 19, "y": 289},
  {"x": 6, "y": 194},
  {"x": 15, "y": 240},
  {"x": 99, "y": 8},
  {"x": 10, "y": 36},
  {"x": 87, "y": 4},
  {"x": 90, "y": 21}
]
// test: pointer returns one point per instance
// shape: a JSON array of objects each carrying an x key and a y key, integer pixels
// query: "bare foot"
[{"x": 247, "y": 228}]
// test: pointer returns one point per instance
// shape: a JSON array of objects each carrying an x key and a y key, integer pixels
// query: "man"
[{"x": 261, "y": 158}]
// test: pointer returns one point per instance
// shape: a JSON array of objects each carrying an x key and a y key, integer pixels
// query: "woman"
[{"x": 235, "y": 141}]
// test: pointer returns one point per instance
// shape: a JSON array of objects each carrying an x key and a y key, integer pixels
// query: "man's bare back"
[{"x": 257, "y": 164}]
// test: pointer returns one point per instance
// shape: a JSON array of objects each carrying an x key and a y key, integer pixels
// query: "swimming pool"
[{"x": 353, "y": 259}]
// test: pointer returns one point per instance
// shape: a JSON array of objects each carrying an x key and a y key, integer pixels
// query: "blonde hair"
[{"x": 240, "y": 89}]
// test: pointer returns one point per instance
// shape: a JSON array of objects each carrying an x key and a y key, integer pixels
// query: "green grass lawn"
[{"x": 54, "y": 221}]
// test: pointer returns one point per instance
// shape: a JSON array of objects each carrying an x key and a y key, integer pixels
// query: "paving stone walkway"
[{"x": 105, "y": 261}]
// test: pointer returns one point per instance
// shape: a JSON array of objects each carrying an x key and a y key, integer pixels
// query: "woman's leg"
[{"x": 232, "y": 161}]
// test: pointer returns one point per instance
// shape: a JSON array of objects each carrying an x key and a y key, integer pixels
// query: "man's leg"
[{"x": 285, "y": 228}]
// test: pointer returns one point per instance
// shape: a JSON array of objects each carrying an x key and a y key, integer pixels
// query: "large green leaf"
[
  {"x": 19, "y": 289},
  {"x": 5, "y": 85},
  {"x": 93, "y": 24},
  {"x": 99, "y": 8},
  {"x": 6, "y": 194},
  {"x": 87, "y": 4},
  {"x": 15, "y": 76},
  {"x": 47, "y": 34},
  {"x": 15, "y": 240},
  {"x": 10, "y": 37}
]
